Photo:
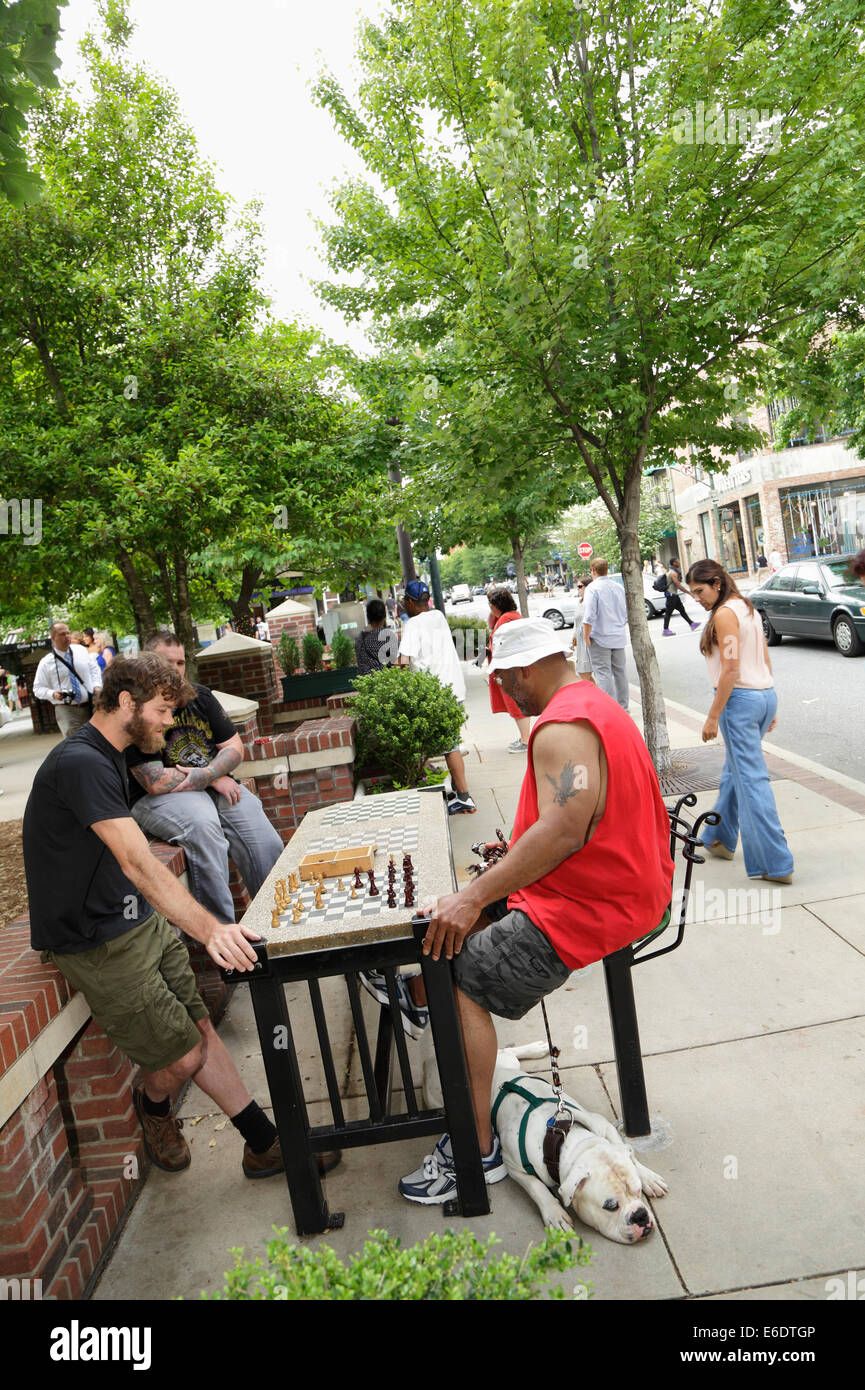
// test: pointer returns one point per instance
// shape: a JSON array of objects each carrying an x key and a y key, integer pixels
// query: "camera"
[{"x": 66, "y": 697}]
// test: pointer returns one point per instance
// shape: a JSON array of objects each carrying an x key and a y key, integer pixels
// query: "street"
[{"x": 817, "y": 687}]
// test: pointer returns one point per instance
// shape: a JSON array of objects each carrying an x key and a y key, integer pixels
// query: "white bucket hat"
[{"x": 525, "y": 641}]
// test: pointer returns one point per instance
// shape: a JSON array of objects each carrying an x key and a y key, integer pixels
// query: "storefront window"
[
  {"x": 825, "y": 519},
  {"x": 754, "y": 522},
  {"x": 732, "y": 539}
]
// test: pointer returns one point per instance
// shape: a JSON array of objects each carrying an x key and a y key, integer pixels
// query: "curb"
[{"x": 807, "y": 764}]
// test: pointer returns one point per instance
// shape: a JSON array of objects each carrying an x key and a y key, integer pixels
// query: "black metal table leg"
[
  {"x": 284, "y": 1081},
  {"x": 383, "y": 1064},
  {"x": 626, "y": 1040},
  {"x": 456, "y": 1092}
]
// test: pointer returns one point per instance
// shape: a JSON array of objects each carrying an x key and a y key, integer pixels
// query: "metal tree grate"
[{"x": 696, "y": 770}]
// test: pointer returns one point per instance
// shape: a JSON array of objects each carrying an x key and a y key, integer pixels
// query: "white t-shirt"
[{"x": 427, "y": 641}]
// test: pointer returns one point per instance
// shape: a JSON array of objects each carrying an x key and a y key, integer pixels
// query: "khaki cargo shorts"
[{"x": 141, "y": 991}]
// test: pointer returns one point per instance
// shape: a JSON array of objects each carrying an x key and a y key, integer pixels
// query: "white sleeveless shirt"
[{"x": 754, "y": 673}]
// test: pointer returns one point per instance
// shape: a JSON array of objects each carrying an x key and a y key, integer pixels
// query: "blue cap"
[{"x": 417, "y": 590}]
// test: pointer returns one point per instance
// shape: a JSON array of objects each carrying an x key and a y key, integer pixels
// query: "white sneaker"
[{"x": 518, "y": 746}]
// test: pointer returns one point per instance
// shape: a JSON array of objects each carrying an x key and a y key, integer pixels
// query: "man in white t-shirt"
[{"x": 427, "y": 645}]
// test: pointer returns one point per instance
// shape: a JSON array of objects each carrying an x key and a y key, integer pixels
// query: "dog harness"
[{"x": 557, "y": 1128}]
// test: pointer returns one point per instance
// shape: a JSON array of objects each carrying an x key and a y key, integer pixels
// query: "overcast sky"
[{"x": 242, "y": 74}]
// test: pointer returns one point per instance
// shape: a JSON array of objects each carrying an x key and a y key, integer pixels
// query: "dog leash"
[{"x": 560, "y": 1122}]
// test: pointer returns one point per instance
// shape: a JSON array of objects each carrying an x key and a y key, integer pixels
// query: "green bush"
[
  {"x": 458, "y": 624},
  {"x": 449, "y": 1267},
  {"x": 404, "y": 717},
  {"x": 312, "y": 652},
  {"x": 289, "y": 656},
  {"x": 342, "y": 649},
  {"x": 468, "y": 647}
]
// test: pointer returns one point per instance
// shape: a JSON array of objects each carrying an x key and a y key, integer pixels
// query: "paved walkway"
[{"x": 753, "y": 1038}]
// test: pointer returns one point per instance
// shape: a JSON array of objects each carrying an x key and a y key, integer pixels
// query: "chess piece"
[
  {"x": 296, "y": 911},
  {"x": 339, "y": 886},
  {"x": 353, "y": 893},
  {"x": 409, "y": 895},
  {"x": 292, "y": 882},
  {"x": 274, "y": 920},
  {"x": 373, "y": 891},
  {"x": 299, "y": 904},
  {"x": 358, "y": 881},
  {"x": 391, "y": 897},
  {"x": 318, "y": 891},
  {"x": 406, "y": 863}
]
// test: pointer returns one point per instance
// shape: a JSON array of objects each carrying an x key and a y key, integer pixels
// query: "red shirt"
[
  {"x": 500, "y": 703},
  {"x": 618, "y": 886}
]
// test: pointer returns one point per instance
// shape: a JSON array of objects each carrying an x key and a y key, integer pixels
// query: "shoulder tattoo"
[{"x": 571, "y": 780}]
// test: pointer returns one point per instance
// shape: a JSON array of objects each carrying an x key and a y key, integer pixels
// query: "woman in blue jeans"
[{"x": 744, "y": 709}]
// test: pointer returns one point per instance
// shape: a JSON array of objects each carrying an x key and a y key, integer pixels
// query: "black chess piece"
[
  {"x": 373, "y": 891},
  {"x": 391, "y": 897},
  {"x": 409, "y": 895},
  {"x": 358, "y": 882},
  {"x": 406, "y": 863}
]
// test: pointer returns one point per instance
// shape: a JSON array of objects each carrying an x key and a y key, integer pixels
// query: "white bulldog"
[{"x": 600, "y": 1180}]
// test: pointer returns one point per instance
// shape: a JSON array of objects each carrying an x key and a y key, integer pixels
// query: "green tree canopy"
[{"x": 612, "y": 209}]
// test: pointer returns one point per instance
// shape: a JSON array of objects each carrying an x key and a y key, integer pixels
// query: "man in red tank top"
[{"x": 588, "y": 869}]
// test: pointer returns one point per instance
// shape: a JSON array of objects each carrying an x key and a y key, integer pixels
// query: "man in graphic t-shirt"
[{"x": 187, "y": 795}]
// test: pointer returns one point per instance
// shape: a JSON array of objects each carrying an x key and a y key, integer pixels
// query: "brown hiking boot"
[
  {"x": 269, "y": 1163},
  {"x": 163, "y": 1142}
]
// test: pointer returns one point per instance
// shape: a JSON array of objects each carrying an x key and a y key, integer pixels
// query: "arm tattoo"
[
  {"x": 566, "y": 787},
  {"x": 156, "y": 779},
  {"x": 225, "y": 761}
]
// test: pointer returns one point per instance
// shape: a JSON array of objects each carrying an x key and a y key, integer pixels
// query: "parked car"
[
  {"x": 461, "y": 593},
  {"x": 560, "y": 611},
  {"x": 814, "y": 598},
  {"x": 478, "y": 591},
  {"x": 655, "y": 603}
]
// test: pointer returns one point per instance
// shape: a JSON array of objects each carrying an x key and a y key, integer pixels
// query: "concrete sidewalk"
[{"x": 752, "y": 1034}]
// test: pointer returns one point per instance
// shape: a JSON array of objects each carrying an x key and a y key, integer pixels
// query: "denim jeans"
[
  {"x": 209, "y": 829},
  {"x": 745, "y": 799}
]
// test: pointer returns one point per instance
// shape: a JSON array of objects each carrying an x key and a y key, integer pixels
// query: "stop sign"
[{"x": 584, "y": 550}]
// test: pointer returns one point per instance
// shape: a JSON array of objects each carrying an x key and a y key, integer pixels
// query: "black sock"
[
  {"x": 258, "y": 1131},
  {"x": 160, "y": 1108}
]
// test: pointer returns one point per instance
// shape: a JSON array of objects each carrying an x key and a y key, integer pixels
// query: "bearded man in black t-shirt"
[
  {"x": 99, "y": 901},
  {"x": 187, "y": 796}
]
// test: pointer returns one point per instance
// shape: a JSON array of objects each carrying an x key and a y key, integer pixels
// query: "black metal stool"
[{"x": 620, "y": 987}]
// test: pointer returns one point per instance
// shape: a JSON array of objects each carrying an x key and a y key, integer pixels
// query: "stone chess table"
[
  {"x": 341, "y": 938},
  {"x": 398, "y": 823}
]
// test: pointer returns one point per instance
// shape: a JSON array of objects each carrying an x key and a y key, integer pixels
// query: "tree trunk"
[
  {"x": 240, "y": 606},
  {"x": 145, "y": 620},
  {"x": 168, "y": 592},
  {"x": 654, "y": 712},
  {"x": 519, "y": 553},
  {"x": 184, "y": 615}
]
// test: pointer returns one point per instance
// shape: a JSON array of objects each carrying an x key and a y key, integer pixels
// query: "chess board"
[
  {"x": 397, "y": 823},
  {"x": 341, "y": 907},
  {"x": 373, "y": 808}
]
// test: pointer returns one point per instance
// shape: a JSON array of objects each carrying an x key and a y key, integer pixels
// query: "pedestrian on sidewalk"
[
  {"x": 605, "y": 631},
  {"x": 65, "y": 679},
  {"x": 427, "y": 645},
  {"x": 503, "y": 609},
  {"x": 675, "y": 587},
  {"x": 744, "y": 708},
  {"x": 582, "y": 658},
  {"x": 377, "y": 645}
]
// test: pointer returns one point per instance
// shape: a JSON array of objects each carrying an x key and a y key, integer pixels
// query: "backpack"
[{"x": 660, "y": 583}]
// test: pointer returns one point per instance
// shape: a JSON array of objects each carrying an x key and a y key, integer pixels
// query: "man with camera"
[{"x": 66, "y": 679}]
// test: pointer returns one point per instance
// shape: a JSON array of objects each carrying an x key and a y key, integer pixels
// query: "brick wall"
[
  {"x": 297, "y": 626},
  {"x": 311, "y": 777},
  {"x": 250, "y": 673}
]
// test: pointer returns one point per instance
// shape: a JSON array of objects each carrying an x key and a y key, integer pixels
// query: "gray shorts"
[{"x": 509, "y": 966}]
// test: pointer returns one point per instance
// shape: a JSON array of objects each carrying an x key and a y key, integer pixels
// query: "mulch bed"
[{"x": 13, "y": 886}]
